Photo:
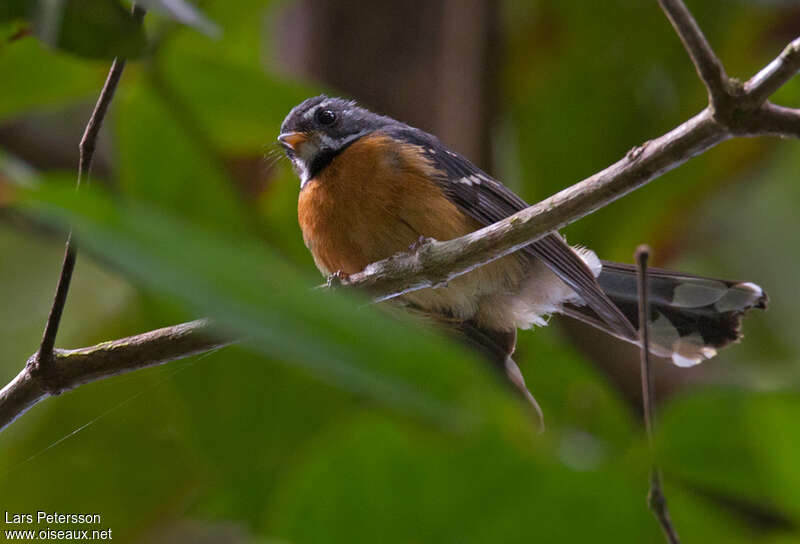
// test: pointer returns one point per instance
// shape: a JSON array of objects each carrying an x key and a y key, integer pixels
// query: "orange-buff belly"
[{"x": 376, "y": 199}]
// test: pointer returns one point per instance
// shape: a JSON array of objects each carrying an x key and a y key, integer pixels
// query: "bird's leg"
[
  {"x": 336, "y": 279},
  {"x": 419, "y": 243}
]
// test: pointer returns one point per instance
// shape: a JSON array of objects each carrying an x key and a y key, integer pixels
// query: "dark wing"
[{"x": 487, "y": 200}]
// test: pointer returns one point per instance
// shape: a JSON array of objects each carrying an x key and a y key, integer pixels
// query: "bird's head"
[{"x": 319, "y": 128}]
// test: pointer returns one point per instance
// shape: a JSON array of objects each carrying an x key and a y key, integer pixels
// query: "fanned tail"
[{"x": 691, "y": 317}]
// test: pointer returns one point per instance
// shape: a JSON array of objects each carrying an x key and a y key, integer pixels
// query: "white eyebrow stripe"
[{"x": 310, "y": 113}]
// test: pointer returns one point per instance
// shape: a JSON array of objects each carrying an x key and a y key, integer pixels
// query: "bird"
[{"x": 372, "y": 187}]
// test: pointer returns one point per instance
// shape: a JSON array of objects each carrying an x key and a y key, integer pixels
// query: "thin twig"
[
  {"x": 655, "y": 498},
  {"x": 641, "y": 257},
  {"x": 708, "y": 66},
  {"x": 75, "y": 367},
  {"x": 86, "y": 154},
  {"x": 778, "y": 120},
  {"x": 764, "y": 84},
  {"x": 658, "y": 504}
]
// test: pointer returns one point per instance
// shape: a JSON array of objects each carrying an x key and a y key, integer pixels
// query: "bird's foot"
[
  {"x": 418, "y": 243},
  {"x": 337, "y": 279}
]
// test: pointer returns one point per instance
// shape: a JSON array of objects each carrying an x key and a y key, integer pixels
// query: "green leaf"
[
  {"x": 249, "y": 102},
  {"x": 172, "y": 166},
  {"x": 249, "y": 105},
  {"x": 368, "y": 480},
  {"x": 98, "y": 29},
  {"x": 257, "y": 295},
  {"x": 183, "y": 12},
  {"x": 736, "y": 444},
  {"x": 43, "y": 79}
]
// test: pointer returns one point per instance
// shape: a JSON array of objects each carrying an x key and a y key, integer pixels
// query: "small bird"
[{"x": 371, "y": 186}]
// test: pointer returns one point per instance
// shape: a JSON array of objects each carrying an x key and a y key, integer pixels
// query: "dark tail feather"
[
  {"x": 497, "y": 347},
  {"x": 691, "y": 317}
]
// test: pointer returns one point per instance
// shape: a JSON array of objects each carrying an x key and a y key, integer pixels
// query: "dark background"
[{"x": 329, "y": 426}]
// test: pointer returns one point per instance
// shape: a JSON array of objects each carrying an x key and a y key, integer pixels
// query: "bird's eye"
[{"x": 325, "y": 117}]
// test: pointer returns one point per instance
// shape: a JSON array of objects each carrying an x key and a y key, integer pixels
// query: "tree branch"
[
  {"x": 44, "y": 357},
  {"x": 708, "y": 66},
  {"x": 435, "y": 263},
  {"x": 764, "y": 84},
  {"x": 769, "y": 120},
  {"x": 71, "y": 368}
]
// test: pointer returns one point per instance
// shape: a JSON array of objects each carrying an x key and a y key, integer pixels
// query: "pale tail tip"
[
  {"x": 752, "y": 287},
  {"x": 742, "y": 296},
  {"x": 685, "y": 362},
  {"x": 706, "y": 352}
]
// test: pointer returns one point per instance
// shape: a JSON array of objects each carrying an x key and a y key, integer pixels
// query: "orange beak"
[{"x": 292, "y": 139}]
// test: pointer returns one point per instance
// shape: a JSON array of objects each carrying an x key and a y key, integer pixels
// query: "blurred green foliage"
[
  {"x": 336, "y": 421},
  {"x": 89, "y": 28}
]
